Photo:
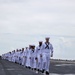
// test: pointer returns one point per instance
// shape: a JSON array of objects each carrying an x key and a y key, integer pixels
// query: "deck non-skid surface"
[
  {"x": 56, "y": 68},
  {"x": 9, "y": 68}
]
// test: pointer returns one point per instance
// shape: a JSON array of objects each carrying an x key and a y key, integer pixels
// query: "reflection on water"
[
  {"x": 64, "y": 65},
  {"x": 60, "y": 74}
]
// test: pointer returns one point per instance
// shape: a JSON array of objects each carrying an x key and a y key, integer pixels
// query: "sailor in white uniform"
[
  {"x": 47, "y": 52},
  {"x": 28, "y": 61},
  {"x": 33, "y": 57},
  {"x": 24, "y": 57},
  {"x": 21, "y": 56},
  {"x": 13, "y": 56},
  {"x": 16, "y": 56},
  {"x": 9, "y": 56},
  {"x": 39, "y": 56}
]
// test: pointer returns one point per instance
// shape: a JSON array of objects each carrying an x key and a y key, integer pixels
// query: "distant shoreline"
[{"x": 63, "y": 61}]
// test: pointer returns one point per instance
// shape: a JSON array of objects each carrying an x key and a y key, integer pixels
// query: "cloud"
[
  {"x": 24, "y": 22},
  {"x": 47, "y": 16}
]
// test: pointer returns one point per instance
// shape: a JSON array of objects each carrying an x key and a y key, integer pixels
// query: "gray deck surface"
[{"x": 56, "y": 68}]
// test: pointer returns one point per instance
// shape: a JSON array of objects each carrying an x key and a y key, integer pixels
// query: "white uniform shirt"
[
  {"x": 25, "y": 53},
  {"x": 39, "y": 50},
  {"x": 33, "y": 53},
  {"x": 47, "y": 48},
  {"x": 28, "y": 53}
]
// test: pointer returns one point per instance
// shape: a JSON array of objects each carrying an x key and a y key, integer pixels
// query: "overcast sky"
[{"x": 24, "y": 22}]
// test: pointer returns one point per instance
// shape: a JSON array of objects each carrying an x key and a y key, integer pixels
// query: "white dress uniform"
[
  {"x": 9, "y": 56},
  {"x": 16, "y": 56},
  {"x": 24, "y": 57},
  {"x": 6, "y": 56},
  {"x": 20, "y": 56},
  {"x": 13, "y": 57},
  {"x": 39, "y": 57},
  {"x": 46, "y": 53},
  {"x": 28, "y": 61},
  {"x": 33, "y": 59}
]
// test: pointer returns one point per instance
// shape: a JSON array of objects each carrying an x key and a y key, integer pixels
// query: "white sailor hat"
[
  {"x": 47, "y": 38},
  {"x": 40, "y": 41}
]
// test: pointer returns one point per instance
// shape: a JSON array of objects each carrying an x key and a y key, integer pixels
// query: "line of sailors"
[{"x": 33, "y": 58}]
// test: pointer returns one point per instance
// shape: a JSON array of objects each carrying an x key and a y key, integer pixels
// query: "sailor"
[
  {"x": 39, "y": 56},
  {"x": 17, "y": 56},
  {"x": 21, "y": 56},
  {"x": 33, "y": 57},
  {"x": 9, "y": 56},
  {"x": 47, "y": 52},
  {"x": 28, "y": 61},
  {"x": 13, "y": 56},
  {"x": 24, "y": 57}
]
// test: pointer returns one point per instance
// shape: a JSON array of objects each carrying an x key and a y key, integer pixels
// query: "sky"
[{"x": 25, "y": 22}]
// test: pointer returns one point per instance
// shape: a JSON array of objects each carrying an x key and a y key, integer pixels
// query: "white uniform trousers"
[
  {"x": 28, "y": 61},
  {"x": 39, "y": 63},
  {"x": 24, "y": 61},
  {"x": 46, "y": 61}
]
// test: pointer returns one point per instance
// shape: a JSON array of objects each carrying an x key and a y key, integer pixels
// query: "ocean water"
[
  {"x": 61, "y": 74},
  {"x": 64, "y": 46}
]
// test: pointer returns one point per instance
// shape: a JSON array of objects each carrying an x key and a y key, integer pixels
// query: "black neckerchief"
[
  {"x": 47, "y": 45},
  {"x": 39, "y": 47},
  {"x": 33, "y": 51}
]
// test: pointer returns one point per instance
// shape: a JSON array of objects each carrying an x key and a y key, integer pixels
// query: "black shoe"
[
  {"x": 26, "y": 67},
  {"x": 29, "y": 67},
  {"x": 43, "y": 71},
  {"x": 47, "y": 73},
  {"x": 38, "y": 70},
  {"x": 20, "y": 63},
  {"x": 34, "y": 68}
]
